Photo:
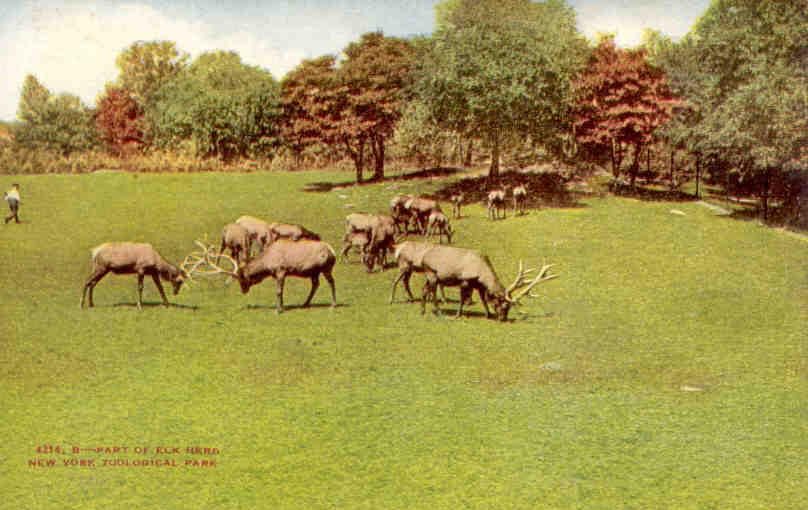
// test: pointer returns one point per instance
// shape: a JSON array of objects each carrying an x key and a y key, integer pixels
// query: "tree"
[
  {"x": 621, "y": 101},
  {"x": 219, "y": 105},
  {"x": 59, "y": 123},
  {"x": 145, "y": 66},
  {"x": 742, "y": 69},
  {"x": 351, "y": 106},
  {"x": 119, "y": 119},
  {"x": 501, "y": 68}
]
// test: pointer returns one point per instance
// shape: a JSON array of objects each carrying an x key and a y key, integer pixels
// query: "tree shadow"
[
  {"x": 544, "y": 189},
  {"x": 650, "y": 194},
  {"x": 428, "y": 173},
  {"x": 287, "y": 307}
]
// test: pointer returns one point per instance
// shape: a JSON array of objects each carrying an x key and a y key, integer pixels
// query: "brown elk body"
[
  {"x": 421, "y": 208},
  {"x": 236, "y": 239},
  {"x": 400, "y": 213},
  {"x": 409, "y": 257},
  {"x": 258, "y": 230},
  {"x": 131, "y": 258},
  {"x": 381, "y": 230},
  {"x": 290, "y": 231},
  {"x": 302, "y": 259},
  {"x": 438, "y": 224},
  {"x": 519, "y": 199},
  {"x": 496, "y": 203},
  {"x": 355, "y": 239}
]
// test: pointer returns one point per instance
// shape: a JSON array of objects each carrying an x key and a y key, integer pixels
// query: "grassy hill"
[{"x": 664, "y": 368}]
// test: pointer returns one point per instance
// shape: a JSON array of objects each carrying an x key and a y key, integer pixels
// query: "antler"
[
  {"x": 205, "y": 262},
  {"x": 521, "y": 282}
]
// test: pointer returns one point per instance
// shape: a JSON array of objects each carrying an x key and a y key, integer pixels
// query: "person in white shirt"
[{"x": 12, "y": 196}]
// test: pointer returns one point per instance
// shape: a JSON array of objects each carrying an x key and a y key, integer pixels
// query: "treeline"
[{"x": 497, "y": 82}]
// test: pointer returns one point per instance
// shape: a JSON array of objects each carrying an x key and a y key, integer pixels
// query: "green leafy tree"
[
  {"x": 59, "y": 123},
  {"x": 220, "y": 106},
  {"x": 501, "y": 69},
  {"x": 145, "y": 66}
]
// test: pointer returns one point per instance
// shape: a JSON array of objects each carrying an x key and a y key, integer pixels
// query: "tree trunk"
[
  {"x": 698, "y": 175},
  {"x": 469, "y": 147},
  {"x": 672, "y": 170},
  {"x": 635, "y": 165},
  {"x": 493, "y": 170},
  {"x": 377, "y": 146},
  {"x": 358, "y": 157},
  {"x": 764, "y": 198}
]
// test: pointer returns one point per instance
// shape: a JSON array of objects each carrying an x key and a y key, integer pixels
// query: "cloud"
[
  {"x": 73, "y": 49},
  {"x": 628, "y": 20}
]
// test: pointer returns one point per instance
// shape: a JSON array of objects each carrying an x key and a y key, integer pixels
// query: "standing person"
[{"x": 12, "y": 196}]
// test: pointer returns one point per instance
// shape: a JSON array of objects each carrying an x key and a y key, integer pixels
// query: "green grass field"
[{"x": 664, "y": 368}]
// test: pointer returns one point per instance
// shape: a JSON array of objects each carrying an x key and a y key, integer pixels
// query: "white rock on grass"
[{"x": 677, "y": 212}]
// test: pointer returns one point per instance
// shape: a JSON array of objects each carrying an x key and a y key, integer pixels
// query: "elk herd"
[{"x": 259, "y": 249}]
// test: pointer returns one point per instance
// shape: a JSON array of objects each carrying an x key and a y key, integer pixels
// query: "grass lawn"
[{"x": 664, "y": 368}]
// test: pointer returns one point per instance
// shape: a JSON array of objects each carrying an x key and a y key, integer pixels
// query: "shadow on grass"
[
  {"x": 150, "y": 304},
  {"x": 543, "y": 190},
  {"x": 651, "y": 194},
  {"x": 287, "y": 307},
  {"x": 324, "y": 187}
]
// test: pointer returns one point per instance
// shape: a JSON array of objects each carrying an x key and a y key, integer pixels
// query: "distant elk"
[
  {"x": 236, "y": 239},
  {"x": 420, "y": 208},
  {"x": 302, "y": 259},
  {"x": 519, "y": 199},
  {"x": 290, "y": 231},
  {"x": 457, "y": 201},
  {"x": 132, "y": 258},
  {"x": 438, "y": 224},
  {"x": 470, "y": 270},
  {"x": 496, "y": 203},
  {"x": 258, "y": 231}
]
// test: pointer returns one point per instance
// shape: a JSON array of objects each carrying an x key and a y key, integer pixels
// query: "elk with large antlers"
[
  {"x": 132, "y": 258},
  {"x": 468, "y": 269},
  {"x": 496, "y": 203},
  {"x": 301, "y": 259}
]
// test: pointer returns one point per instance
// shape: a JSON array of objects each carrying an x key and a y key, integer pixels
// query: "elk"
[
  {"x": 355, "y": 239},
  {"x": 420, "y": 209},
  {"x": 409, "y": 256},
  {"x": 438, "y": 223},
  {"x": 290, "y": 231},
  {"x": 457, "y": 201},
  {"x": 132, "y": 258},
  {"x": 519, "y": 199},
  {"x": 302, "y": 259},
  {"x": 257, "y": 229},
  {"x": 496, "y": 202},
  {"x": 401, "y": 214},
  {"x": 236, "y": 239},
  {"x": 381, "y": 230},
  {"x": 470, "y": 270}
]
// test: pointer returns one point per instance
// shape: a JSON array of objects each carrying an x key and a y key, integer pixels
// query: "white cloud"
[
  {"x": 73, "y": 49},
  {"x": 628, "y": 20}
]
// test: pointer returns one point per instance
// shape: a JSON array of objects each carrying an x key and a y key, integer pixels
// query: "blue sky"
[{"x": 70, "y": 46}]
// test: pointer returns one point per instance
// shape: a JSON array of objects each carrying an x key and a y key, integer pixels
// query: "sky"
[{"x": 71, "y": 45}]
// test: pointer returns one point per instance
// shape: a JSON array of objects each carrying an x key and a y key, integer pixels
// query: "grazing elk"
[
  {"x": 519, "y": 199},
  {"x": 289, "y": 231},
  {"x": 496, "y": 203},
  {"x": 420, "y": 209},
  {"x": 438, "y": 223},
  {"x": 236, "y": 239},
  {"x": 132, "y": 258},
  {"x": 302, "y": 259},
  {"x": 457, "y": 201},
  {"x": 355, "y": 239},
  {"x": 468, "y": 269},
  {"x": 381, "y": 230},
  {"x": 409, "y": 256},
  {"x": 401, "y": 214},
  {"x": 258, "y": 230}
]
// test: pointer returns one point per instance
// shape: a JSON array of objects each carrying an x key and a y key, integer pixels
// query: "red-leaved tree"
[
  {"x": 351, "y": 106},
  {"x": 621, "y": 101},
  {"x": 119, "y": 120}
]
